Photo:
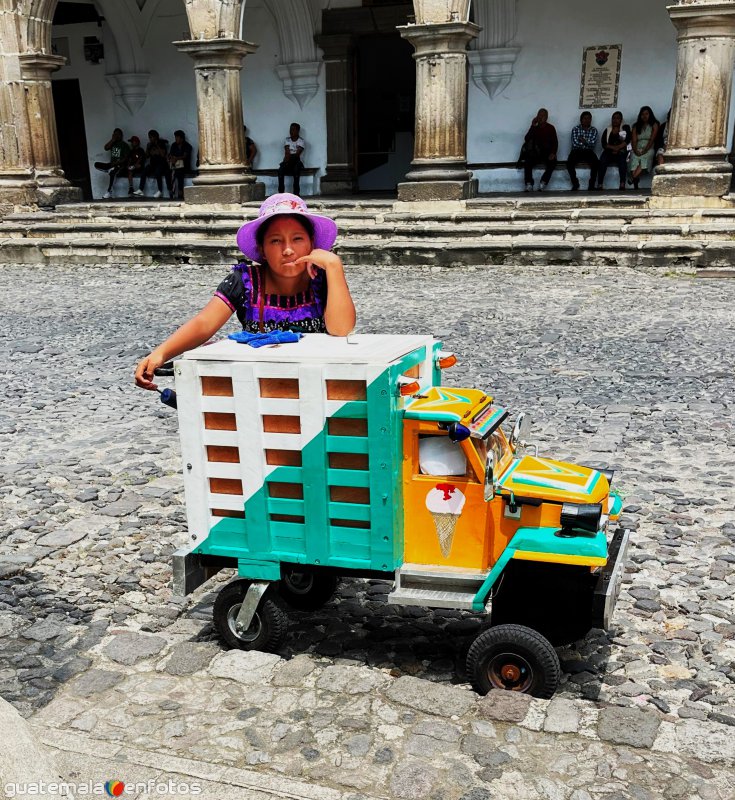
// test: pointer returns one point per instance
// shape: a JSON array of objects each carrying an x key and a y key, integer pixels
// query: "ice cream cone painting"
[{"x": 445, "y": 501}]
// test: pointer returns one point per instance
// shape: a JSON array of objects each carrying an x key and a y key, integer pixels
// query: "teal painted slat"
[
  {"x": 356, "y": 511},
  {"x": 343, "y": 534},
  {"x": 227, "y": 536},
  {"x": 355, "y": 409},
  {"x": 288, "y": 548},
  {"x": 347, "y": 444},
  {"x": 285, "y": 505},
  {"x": 314, "y": 462},
  {"x": 348, "y": 477},
  {"x": 350, "y": 550},
  {"x": 349, "y": 563},
  {"x": 286, "y": 475},
  {"x": 288, "y": 530}
]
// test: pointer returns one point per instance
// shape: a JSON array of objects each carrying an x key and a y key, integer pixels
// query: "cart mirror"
[
  {"x": 520, "y": 430},
  {"x": 489, "y": 491}
]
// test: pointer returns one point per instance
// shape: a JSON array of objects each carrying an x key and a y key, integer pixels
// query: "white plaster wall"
[
  {"x": 548, "y": 70},
  {"x": 268, "y": 112},
  {"x": 99, "y": 107}
]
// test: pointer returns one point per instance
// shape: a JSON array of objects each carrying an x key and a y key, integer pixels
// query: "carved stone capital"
[
  {"x": 300, "y": 81},
  {"x": 492, "y": 69},
  {"x": 440, "y": 39},
  {"x": 130, "y": 89},
  {"x": 216, "y": 53},
  {"x": 39, "y": 66}
]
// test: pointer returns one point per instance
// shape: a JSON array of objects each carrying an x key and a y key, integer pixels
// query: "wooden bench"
[{"x": 306, "y": 172}]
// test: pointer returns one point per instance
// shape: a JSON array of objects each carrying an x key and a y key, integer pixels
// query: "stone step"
[{"x": 665, "y": 253}]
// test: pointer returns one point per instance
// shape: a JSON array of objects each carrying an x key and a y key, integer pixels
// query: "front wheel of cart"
[
  {"x": 267, "y": 629},
  {"x": 515, "y": 658},
  {"x": 305, "y": 590}
]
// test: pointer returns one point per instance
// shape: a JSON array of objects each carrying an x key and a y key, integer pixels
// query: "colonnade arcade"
[{"x": 696, "y": 163}]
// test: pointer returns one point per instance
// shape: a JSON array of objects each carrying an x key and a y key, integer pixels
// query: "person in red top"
[{"x": 539, "y": 147}]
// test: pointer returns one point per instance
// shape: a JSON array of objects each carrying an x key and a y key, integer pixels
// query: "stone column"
[
  {"x": 439, "y": 167},
  {"x": 696, "y": 152},
  {"x": 53, "y": 187},
  {"x": 16, "y": 156},
  {"x": 341, "y": 177},
  {"x": 224, "y": 175}
]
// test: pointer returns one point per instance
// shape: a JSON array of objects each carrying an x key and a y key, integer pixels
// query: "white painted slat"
[
  {"x": 218, "y": 469},
  {"x": 344, "y": 372},
  {"x": 214, "y": 369},
  {"x": 282, "y": 441},
  {"x": 279, "y": 405},
  {"x": 249, "y": 428},
  {"x": 219, "y": 405},
  {"x": 221, "y": 438},
  {"x": 276, "y": 369},
  {"x": 231, "y": 502},
  {"x": 191, "y": 430}
]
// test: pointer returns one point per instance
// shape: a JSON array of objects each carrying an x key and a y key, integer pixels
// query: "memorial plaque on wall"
[{"x": 600, "y": 76}]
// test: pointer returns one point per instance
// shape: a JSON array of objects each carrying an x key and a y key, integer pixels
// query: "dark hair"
[
  {"x": 295, "y": 125},
  {"x": 180, "y": 133},
  {"x": 263, "y": 229},
  {"x": 153, "y": 133},
  {"x": 651, "y": 119},
  {"x": 585, "y": 114},
  {"x": 118, "y": 130}
]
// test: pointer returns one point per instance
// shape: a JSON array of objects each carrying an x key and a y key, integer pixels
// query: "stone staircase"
[{"x": 548, "y": 229}]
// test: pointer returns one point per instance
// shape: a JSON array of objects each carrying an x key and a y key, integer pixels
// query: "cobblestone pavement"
[{"x": 626, "y": 369}]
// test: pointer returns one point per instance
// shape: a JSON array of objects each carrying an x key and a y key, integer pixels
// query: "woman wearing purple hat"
[{"x": 296, "y": 284}]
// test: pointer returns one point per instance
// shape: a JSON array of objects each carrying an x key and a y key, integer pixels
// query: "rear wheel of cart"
[
  {"x": 305, "y": 590},
  {"x": 515, "y": 658},
  {"x": 267, "y": 629}
]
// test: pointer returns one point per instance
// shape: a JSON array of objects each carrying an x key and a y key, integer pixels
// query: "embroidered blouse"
[{"x": 304, "y": 312}]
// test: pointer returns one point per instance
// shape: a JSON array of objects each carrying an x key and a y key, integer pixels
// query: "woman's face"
[
  {"x": 285, "y": 240},
  {"x": 617, "y": 119},
  {"x": 645, "y": 115}
]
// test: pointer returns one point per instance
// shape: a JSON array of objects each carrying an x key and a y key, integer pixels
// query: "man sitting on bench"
[
  {"x": 118, "y": 163},
  {"x": 293, "y": 147},
  {"x": 584, "y": 141}
]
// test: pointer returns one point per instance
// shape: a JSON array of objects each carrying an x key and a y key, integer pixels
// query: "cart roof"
[{"x": 317, "y": 347}]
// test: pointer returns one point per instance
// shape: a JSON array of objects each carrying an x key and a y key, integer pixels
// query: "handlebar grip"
[{"x": 168, "y": 398}]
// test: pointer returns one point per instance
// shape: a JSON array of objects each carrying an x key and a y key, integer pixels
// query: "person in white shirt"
[{"x": 293, "y": 147}]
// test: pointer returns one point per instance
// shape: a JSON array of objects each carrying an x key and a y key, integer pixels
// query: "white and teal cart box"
[{"x": 293, "y": 453}]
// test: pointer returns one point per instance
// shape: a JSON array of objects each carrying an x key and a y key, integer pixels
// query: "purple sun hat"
[{"x": 325, "y": 229}]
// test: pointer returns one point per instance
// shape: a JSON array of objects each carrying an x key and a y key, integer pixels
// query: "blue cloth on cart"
[{"x": 264, "y": 339}]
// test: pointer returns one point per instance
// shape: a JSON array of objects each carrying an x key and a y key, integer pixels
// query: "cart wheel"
[
  {"x": 305, "y": 590},
  {"x": 267, "y": 629},
  {"x": 516, "y": 658}
]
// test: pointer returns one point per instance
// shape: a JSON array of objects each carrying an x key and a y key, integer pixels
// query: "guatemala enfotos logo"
[{"x": 113, "y": 788}]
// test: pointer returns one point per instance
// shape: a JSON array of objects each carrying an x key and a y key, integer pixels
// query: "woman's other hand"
[{"x": 145, "y": 371}]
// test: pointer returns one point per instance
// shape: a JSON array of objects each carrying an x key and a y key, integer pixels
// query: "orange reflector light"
[
  {"x": 445, "y": 360},
  {"x": 406, "y": 386}
]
